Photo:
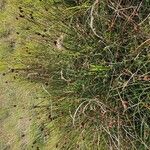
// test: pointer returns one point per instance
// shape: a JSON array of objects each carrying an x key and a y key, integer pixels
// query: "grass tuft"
[{"x": 91, "y": 59}]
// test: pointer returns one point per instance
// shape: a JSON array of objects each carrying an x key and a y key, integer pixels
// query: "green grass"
[{"x": 90, "y": 63}]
